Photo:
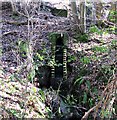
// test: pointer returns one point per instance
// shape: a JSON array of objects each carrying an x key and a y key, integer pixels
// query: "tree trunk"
[
  {"x": 93, "y": 13},
  {"x": 83, "y": 16},
  {"x": 98, "y": 10},
  {"x": 75, "y": 15}
]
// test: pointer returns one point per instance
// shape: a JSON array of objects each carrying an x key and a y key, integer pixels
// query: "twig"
[
  {"x": 9, "y": 32},
  {"x": 106, "y": 22},
  {"x": 22, "y": 14},
  {"x": 110, "y": 23},
  {"x": 15, "y": 22}
]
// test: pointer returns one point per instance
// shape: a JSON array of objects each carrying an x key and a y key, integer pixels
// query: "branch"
[
  {"x": 88, "y": 112},
  {"x": 110, "y": 23},
  {"x": 106, "y": 22}
]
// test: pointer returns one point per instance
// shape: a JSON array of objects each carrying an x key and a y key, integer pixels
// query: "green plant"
[
  {"x": 94, "y": 90},
  {"x": 114, "y": 44},
  {"x": 95, "y": 29},
  {"x": 71, "y": 58},
  {"x": 112, "y": 15},
  {"x": 105, "y": 73},
  {"x": 39, "y": 57},
  {"x": 91, "y": 102},
  {"x": 84, "y": 93},
  {"x": 94, "y": 57},
  {"x": 105, "y": 114},
  {"x": 79, "y": 81},
  {"x": 88, "y": 84},
  {"x": 70, "y": 100},
  {"x": 43, "y": 97},
  {"x": 100, "y": 49},
  {"x": 81, "y": 37},
  {"x": 85, "y": 98},
  {"x": 15, "y": 113},
  {"x": 23, "y": 48},
  {"x": 85, "y": 60},
  {"x": 32, "y": 74},
  {"x": 108, "y": 70}
]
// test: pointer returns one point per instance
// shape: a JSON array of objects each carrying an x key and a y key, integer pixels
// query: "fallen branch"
[{"x": 34, "y": 21}]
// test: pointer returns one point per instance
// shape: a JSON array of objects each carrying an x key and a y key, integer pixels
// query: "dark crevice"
[{"x": 59, "y": 58}]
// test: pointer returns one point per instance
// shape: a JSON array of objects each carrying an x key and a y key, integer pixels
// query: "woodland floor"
[{"x": 19, "y": 97}]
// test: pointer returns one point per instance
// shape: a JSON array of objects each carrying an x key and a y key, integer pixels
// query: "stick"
[
  {"x": 9, "y": 32},
  {"x": 88, "y": 112}
]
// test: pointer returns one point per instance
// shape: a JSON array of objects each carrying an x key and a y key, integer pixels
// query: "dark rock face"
[
  {"x": 53, "y": 10},
  {"x": 59, "y": 12}
]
